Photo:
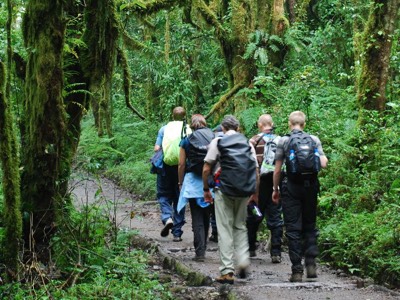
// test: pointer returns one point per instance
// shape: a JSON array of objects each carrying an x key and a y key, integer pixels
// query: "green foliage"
[
  {"x": 116, "y": 272},
  {"x": 365, "y": 244},
  {"x": 125, "y": 157}
]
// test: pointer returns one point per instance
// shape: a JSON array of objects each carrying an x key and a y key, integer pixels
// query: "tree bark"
[
  {"x": 375, "y": 55},
  {"x": 45, "y": 122},
  {"x": 99, "y": 59},
  {"x": 242, "y": 18},
  {"x": 11, "y": 184}
]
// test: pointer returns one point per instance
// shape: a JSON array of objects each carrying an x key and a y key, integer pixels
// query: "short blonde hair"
[
  {"x": 198, "y": 121},
  {"x": 297, "y": 118},
  {"x": 265, "y": 120}
]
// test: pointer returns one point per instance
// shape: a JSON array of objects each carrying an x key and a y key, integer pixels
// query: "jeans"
[
  {"x": 273, "y": 214},
  {"x": 168, "y": 196},
  {"x": 299, "y": 203}
]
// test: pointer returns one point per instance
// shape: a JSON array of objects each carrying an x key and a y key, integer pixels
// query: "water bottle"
[
  {"x": 292, "y": 162},
  {"x": 317, "y": 160},
  {"x": 255, "y": 211}
]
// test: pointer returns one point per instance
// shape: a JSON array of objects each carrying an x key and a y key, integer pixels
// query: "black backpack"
[
  {"x": 304, "y": 161},
  {"x": 238, "y": 168},
  {"x": 198, "y": 142}
]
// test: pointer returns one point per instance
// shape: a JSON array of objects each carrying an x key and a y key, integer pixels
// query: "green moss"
[
  {"x": 98, "y": 61},
  {"x": 11, "y": 184},
  {"x": 45, "y": 120}
]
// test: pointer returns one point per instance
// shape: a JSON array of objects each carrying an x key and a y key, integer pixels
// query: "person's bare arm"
[
  {"x": 181, "y": 166},
  {"x": 206, "y": 172},
  {"x": 324, "y": 161},
  {"x": 156, "y": 148},
  {"x": 254, "y": 197},
  {"x": 276, "y": 180}
]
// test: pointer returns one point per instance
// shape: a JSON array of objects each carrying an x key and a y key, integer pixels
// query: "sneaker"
[
  {"x": 276, "y": 259},
  {"x": 167, "y": 227},
  {"x": 252, "y": 253},
  {"x": 199, "y": 258},
  {"x": 227, "y": 278},
  {"x": 213, "y": 238},
  {"x": 177, "y": 239},
  {"x": 311, "y": 271},
  {"x": 296, "y": 277},
  {"x": 242, "y": 273}
]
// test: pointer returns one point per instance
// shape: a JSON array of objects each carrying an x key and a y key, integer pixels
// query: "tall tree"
[
  {"x": 233, "y": 22},
  {"x": 45, "y": 121},
  {"x": 11, "y": 183},
  {"x": 375, "y": 49},
  {"x": 100, "y": 36}
]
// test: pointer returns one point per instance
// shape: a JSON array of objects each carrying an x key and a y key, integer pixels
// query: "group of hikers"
[{"x": 232, "y": 183}]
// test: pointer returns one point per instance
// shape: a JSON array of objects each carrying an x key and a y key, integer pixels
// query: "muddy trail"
[{"x": 194, "y": 280}]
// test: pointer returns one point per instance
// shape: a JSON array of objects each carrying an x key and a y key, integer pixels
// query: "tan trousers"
[{"x": 231, "y": 214}]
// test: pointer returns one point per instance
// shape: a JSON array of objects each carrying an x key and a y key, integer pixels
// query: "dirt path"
[{"x": 265, "y": 280}]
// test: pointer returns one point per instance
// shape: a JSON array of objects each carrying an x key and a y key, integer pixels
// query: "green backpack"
[{"x": 173, "y": 133}]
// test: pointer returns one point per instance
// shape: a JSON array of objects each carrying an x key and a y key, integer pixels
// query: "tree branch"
[
  {"x": 132, "y": 43},
  {"x": 127, "y": 82},
  {"x": 225, "y": 98},
  {"x": 139, "y": 7},
  {"x": 211, "y": 19}
]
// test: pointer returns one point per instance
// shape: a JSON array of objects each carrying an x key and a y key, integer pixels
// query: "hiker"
[
  {"x": 265, "y": 145},
  {"x": 299, "y": 193},
  {"x": 237, "y": 186},
  {"x": 214, "y": 230},
  {"x": 193, "y": 150},
  {"x": 168, "y": 139}
]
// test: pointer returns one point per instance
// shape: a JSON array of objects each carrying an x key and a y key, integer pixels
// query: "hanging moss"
[
  {"x": 11, "y": 184},
  {"x": 100, "y": 37}
]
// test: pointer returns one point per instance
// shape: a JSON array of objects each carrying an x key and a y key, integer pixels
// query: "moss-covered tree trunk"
[
  {"x": 99, "y": 59},
  {"x": 45, "y": 122},
  {"x": 11, "y": 214},
  {"x": 233, "y": 21},
  {"x": 375, "y": 49},
  {"x": 373, "y": 73}
]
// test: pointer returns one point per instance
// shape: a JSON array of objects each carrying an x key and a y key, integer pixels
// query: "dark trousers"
[
  {"x": 200, "y": 226},
  {"x": 299, "y": 203},
  {"x": 273, "y": 215}
]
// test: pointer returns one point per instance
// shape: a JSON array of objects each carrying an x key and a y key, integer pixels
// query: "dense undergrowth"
[
  {"x": 91, "y": 259},
  {"x": 95, "y": 260}
]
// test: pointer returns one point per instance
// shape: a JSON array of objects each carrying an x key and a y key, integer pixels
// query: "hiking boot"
[
  {"x": 177, "y": 239},
  {"x": 242, "y": 272},
  {"x": 199, "y": 258},
  {"x": 227, "y": 278},
  {"x": 167, "y": 227},
  {"x": 311, "y": 271},
  {"x": 276, "y": 259},
  {"x": 252, "y": 253},
  {"x": 213, "y": 238},
  {"x": 296, "y": 277}
]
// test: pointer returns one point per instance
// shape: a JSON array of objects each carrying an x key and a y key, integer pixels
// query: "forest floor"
[{"x": 174, "y": 263}]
